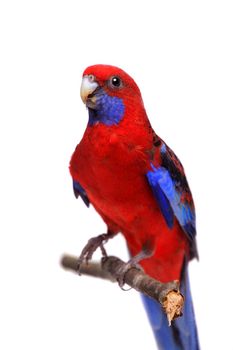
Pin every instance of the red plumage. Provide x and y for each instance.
(111, 163)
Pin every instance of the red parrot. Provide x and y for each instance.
(138, 186)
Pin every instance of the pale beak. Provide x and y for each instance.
(88, 86)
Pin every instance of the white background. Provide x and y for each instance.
(180, 54)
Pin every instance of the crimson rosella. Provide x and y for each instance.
(138, 186)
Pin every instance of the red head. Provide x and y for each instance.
(110, 94)
(104, 75)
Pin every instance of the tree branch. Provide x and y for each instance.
(112, 268)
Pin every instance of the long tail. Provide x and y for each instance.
(182, 335)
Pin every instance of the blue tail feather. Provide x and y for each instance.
(182, 334)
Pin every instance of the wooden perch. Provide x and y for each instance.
(113, 269)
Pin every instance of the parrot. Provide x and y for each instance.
(138, 186)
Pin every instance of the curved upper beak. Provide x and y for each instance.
(88, 87)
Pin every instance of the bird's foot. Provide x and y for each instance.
(133, 263)
(124, 269)
(92, 245)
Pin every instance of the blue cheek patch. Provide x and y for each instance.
(109, 110)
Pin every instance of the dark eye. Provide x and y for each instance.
(115, 82)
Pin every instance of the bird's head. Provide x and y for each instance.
(107, 91)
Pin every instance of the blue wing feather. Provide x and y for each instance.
(154, 178)
(171, 190)
(79, 191)
(163, 186)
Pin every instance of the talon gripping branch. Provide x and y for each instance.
(138, 186)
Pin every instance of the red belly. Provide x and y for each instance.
(113, 177)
